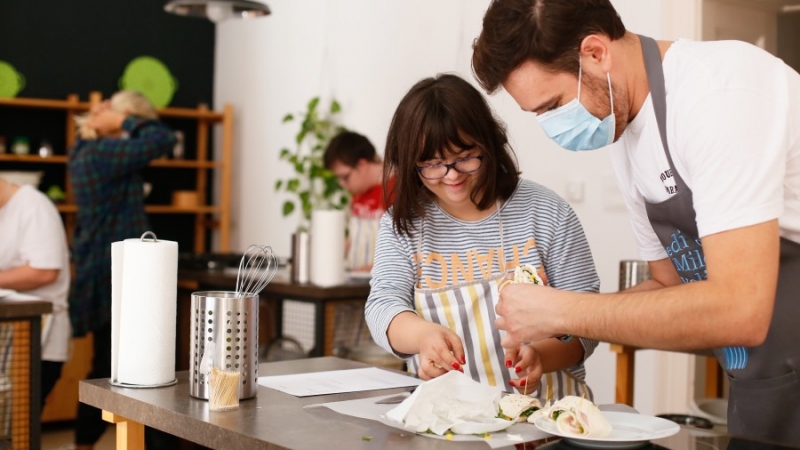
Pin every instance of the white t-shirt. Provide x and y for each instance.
(733, 127)
(31, 232)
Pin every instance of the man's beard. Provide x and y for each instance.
(597, 88)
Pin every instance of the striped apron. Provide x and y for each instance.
(468, 310)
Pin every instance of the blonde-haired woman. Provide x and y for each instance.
(118, 138)
(126, 103)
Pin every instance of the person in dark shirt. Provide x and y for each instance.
(117, 138)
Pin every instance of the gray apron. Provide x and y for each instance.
(765, 389)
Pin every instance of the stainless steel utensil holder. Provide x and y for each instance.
(632, 272)
(231, 323)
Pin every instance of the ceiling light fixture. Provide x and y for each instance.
(217, 10)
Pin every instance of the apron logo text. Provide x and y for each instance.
(467, 267)
(687, 257)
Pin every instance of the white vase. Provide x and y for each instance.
(327, 247)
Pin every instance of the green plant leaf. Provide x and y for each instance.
(288, 118)
(278, 185)
(288, 208)
(312, 105)
(311, 183)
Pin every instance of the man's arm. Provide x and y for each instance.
(26, 278)
(732, 307)
(662, 273)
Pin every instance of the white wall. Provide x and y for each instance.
(367, 54)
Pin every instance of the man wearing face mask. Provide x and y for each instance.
(705, 141)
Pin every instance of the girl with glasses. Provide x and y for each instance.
(461, 219)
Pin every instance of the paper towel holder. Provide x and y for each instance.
(154, 239)
(140, 386)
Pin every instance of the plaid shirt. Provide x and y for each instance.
(107, 186)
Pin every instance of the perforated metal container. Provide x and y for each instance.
(632, 272)
(231, 323)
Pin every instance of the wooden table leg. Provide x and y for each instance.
(714, 381)
(625, 366)
(130, 434)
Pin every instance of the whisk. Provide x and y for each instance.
(256, 269)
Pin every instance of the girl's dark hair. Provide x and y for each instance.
(438, 117)
(549, 32)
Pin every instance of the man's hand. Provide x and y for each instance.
(526, 311)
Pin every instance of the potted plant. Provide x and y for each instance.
(312, 185)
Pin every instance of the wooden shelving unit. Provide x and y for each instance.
(205, 119)
(62, 402)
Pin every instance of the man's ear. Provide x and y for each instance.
(596, 51)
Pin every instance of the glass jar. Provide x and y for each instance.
(21, 146)
(45, 149)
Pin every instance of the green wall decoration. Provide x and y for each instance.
(11, 81)
(152, 78)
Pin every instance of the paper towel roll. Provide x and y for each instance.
(144, 298)
(327, 247)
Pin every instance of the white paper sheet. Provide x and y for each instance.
(337, 381)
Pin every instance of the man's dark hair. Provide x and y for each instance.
(439, 117)
(549, 32)
(348, 148)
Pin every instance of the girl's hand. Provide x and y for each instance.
(525, 362)
(440, 351)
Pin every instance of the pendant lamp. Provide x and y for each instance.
(217, 10)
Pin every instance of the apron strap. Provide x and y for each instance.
(735, 357)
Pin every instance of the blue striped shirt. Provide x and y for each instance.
(538, 228)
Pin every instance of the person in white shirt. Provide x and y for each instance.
(34, 260)
(705, 141)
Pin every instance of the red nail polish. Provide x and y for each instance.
(456, 366)
(508, 363)
(523, 382)
(518, 369)
(463, 360)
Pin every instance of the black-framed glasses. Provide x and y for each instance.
(438, 171)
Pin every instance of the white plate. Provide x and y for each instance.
(629, 430)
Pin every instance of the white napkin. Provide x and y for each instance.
(452, 402)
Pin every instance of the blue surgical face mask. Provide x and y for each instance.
(573, 127)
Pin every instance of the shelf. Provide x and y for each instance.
(61, 159)
(187, 163)
(44, 103)
(189, 113)
(183, 113)
(206, 170)
(56, 159)
(153, 209)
